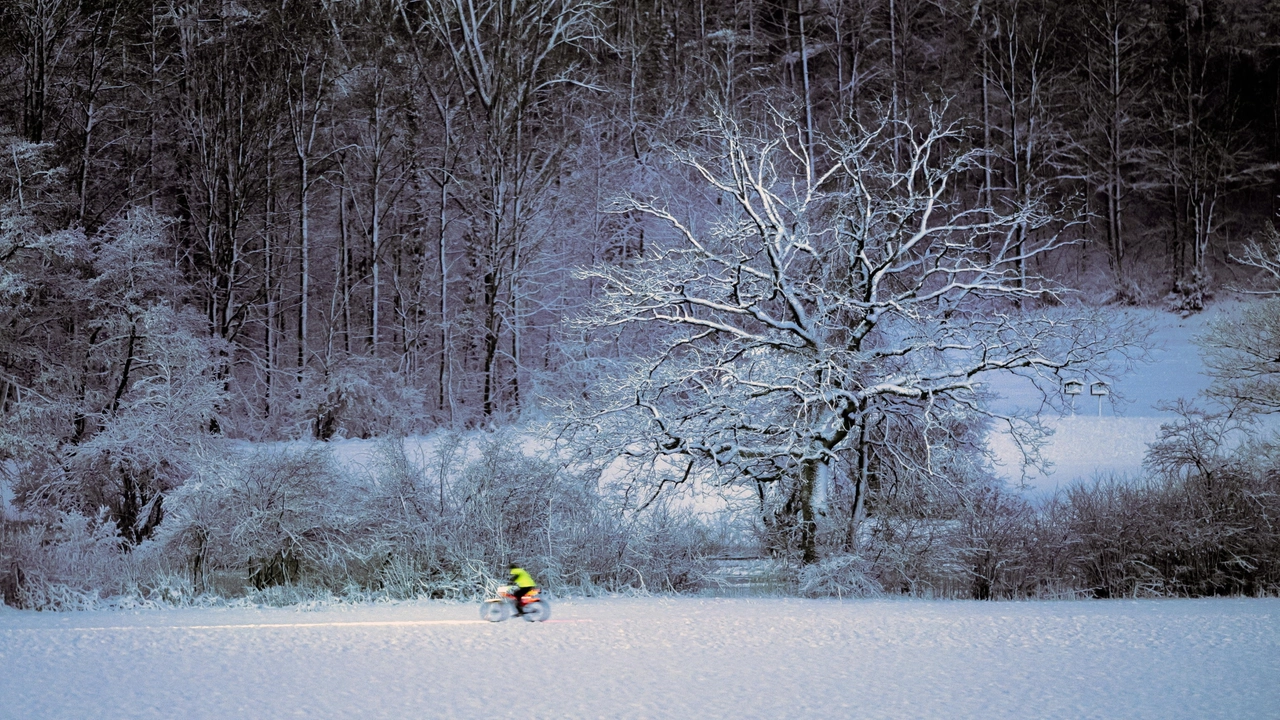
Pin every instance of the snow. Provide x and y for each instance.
(1089, 443)
(7, 510)
(653, 657)
(1082, 448)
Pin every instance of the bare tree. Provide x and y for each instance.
(90, 94)
(1263, 255)
(1031, 142)
(1205, 153)
(832, 292)
(376, 155)
(44, 31)
(309, 81)
(512, 56)
(226, 118)
(1116, 36)
(1242, 350)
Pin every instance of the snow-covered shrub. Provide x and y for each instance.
(918, 556)
(70, 562)
(1109, 524)
(1050, 552)
(409, 525)
(1216, 504)
(840, 576)
(358, 396)
(658, 549)
(986, 544)
(269, 518)
(1201, 523)
(1191, 291)
(995, 537)
(447, 526)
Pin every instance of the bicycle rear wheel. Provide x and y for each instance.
(494, 610)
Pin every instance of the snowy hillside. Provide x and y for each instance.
(653, 658)
(1114, 440)
(1083, 445)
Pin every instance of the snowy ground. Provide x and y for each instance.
(653, 658)
(1092, 443)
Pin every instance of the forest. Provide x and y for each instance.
(605, 250)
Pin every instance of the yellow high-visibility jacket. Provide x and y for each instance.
(522, 578)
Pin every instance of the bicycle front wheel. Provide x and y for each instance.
(538, 611)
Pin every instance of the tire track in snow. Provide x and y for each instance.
(259, 626)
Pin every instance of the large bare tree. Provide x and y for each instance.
(833, 291)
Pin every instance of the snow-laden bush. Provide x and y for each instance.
(445, 527)
(454, 531)
(1012, 550)
(658, 549)
(289, 525)
(1108, 527)
(988, 545)
(1202, 522)
(920, 556)
(358, 397)
(840, 576)
(264, 518)
(70, 562)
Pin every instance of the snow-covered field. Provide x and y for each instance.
(653, 658)
(1092, 443)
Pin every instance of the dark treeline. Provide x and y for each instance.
(359, 218)
(375, 201)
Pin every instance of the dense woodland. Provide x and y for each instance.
(772, 245)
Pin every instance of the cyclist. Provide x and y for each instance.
(524, 584)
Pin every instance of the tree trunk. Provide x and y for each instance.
(41, 30)
(806, 525)
(269, 270)
(1114, 227)
(344, 262)
(857, 508)
(444, 379)
(128, 366)
(492, 327)
(808, 98)
(893, 82)
(375, 249)
(91, 119)
(304, 271)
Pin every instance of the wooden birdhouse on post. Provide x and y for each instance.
(1071, 388)
(1099, 389)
